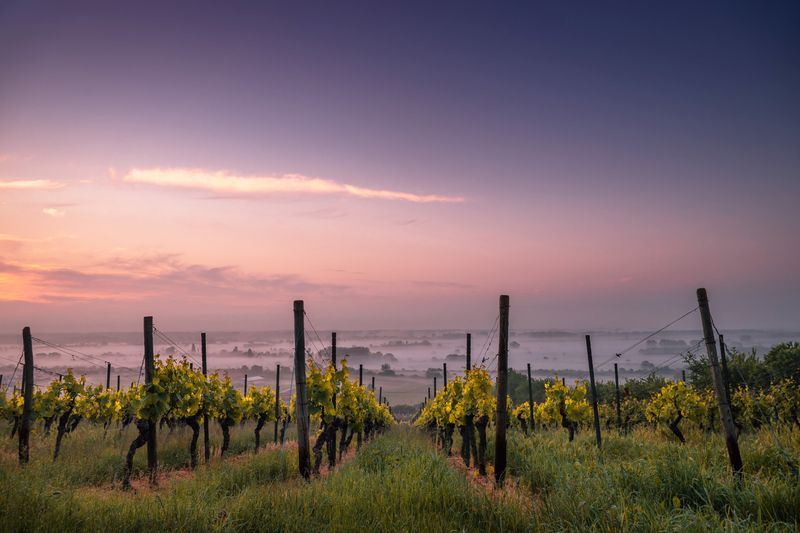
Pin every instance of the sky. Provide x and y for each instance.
(398, 165)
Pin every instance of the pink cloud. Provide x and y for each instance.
(221, 182)
(147, 277)
(30, 184)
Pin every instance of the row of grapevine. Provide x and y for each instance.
(340, 405)
(179, 394)
(568, 407)
(467, 404)
(471, 399)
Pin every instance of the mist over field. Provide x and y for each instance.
(413, 357)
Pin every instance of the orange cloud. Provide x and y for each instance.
(30, 184)
(53, 212)
(224, 182)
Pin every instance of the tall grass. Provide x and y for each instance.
(647, 482)
(400, 482)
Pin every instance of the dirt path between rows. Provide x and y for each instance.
(165, 478)
(510, 492)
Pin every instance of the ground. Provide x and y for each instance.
(401, 482)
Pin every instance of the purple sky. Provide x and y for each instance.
(398, 166)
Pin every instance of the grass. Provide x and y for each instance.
(399, 482)
(646, 482)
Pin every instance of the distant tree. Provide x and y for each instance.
(386, 370)
(431, 372)
(783, 361)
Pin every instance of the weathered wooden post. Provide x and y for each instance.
(719, 387)
(277, 401)
(616, 392)
(502, 393)
(373, 384)
(149, 372)
(333, 361)
(360, 384)
(444, 375)
(530, 397)
(27, 397)
(380, 395)
(300, 382)
(594, 393)
(245, 384)
(118, 382)
(204, 362)
(1, 380)
(683, 375)
(468, 366)
(434, 387)
(335, 424)
(429, 393)
(108, 375)
(726, 377)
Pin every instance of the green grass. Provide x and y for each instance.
(647, 482)
(399, 482)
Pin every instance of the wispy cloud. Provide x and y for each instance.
(30, 184)
(54, 212)
(148, 277)
(443, 284)
(221, 182)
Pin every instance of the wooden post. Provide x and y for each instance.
(1, 380)
(245, 384)
(444, 375)
(380, 395)
(429, 393)
(616, 391)
(108, 375)
(683, 375)
(502, 393)
(564, 381)
(594, 393)
(27, 393)
(277, 401)
(360, 384)
(373, 383)
(333, 362)
(300, 381)
(726, 377)
(204, 362)
(434, 386)
(149, 371)
(333, 349)
(469, 352)
(118, 380)
(530, 395)
(719, 386)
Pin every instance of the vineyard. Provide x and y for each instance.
(480, 454)
(179, 395)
